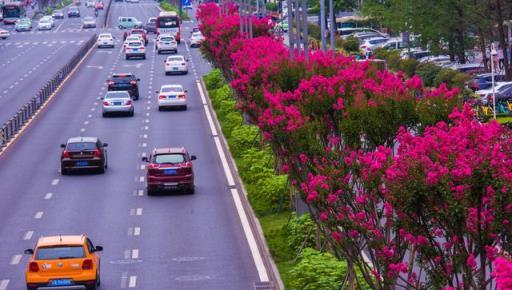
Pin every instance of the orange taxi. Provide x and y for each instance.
(63, 262)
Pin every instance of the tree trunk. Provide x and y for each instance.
(501, 37)
(481, 42)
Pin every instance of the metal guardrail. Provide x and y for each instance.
(9, 129)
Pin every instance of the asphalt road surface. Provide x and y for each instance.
(162, 242)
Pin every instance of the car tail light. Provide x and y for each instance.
(133, 82)
(105, 103)
(182, 96)
(87, 264)
(185, 170)
(97, 153)
(65, 154)
(161, 97)
(129, 102)
(33, 267)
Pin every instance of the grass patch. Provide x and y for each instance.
(169, 7)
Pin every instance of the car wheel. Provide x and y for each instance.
(144, 57)
(184, 108)
(120, 27)
(101, 170)
(179, 41)
(191, 189)
(166, 73)
(159, 52)
(94, 287)
(127, 57)
(63, 170)
(150, 192)
(104, 114)
(31, 288)
(132, 113)
(160, 108)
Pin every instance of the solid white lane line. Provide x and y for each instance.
(132, 282)
(15, 260)
(3, 284)
(48, 195)
(136, 231)
(256, 255)
(38, 215)
(135, 253)
(28, 235)
(225, 165)
(210, 121)
(55, 181)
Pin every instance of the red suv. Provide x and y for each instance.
(141, 32)
(170, 169)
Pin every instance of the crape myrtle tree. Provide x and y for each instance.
(411, 194)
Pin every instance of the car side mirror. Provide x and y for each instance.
(145, 159)
(193, 157)
(28, 252)
(105, 144)
(62, 145)
(98, 249)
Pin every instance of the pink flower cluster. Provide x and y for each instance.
(387, 165)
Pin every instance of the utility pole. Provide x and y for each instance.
(249, 15)
(322, 25)
(297, 24)
(305, 28)
(291, 37)
(333, 29)
(180, 9)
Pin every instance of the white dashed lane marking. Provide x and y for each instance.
(28, 235)
(132, 282)
(15, 260)
(3, 284)
(38, 215)
(55, 182)
(48, 195)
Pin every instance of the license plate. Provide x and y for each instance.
(170, 171)
(117, 103)
(167, 43)
(61, 282)
(171, 97)
(82, 163)
(105, 42)
(135, 49)
(174, 68)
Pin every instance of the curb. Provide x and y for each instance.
(275, 279)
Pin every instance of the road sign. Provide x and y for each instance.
(186, 3)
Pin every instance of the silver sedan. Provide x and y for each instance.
(118, 102)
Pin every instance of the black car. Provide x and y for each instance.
(124, 82)
(151, 25)
(73, 11)
(82, 153)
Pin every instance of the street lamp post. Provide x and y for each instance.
(322, 25)
(493, 54)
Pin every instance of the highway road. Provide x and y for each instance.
(29, 59)
(159, 242)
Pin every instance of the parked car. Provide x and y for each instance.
(80, 153)
(373, 43)
(486, 95)
(134, 49)
(58, 14)
(88, 22)
(196, 39)
(176, 64)
(73, 11)
(172, 96)
(105, 40)
(124, 22)
(117, 102)
(469, 68)
(4, 33)
(23, 24)
(169, 169)
(166, 42)
(63, 262)
(415, 53)
(151, 25)
(124, 82)
(484, 81)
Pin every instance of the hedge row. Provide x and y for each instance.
(169, 7)
(291, 239)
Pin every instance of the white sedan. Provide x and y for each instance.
(196, 38)
(88, 22)
(4, 34)
(105, 40)
(172, 96)
(176, 64)
(45, 24)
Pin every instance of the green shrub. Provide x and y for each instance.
(214, 79)
(451, 77)
(272, 6)
(230, 121)
(317, 271)
(351, 44)
(427, 72)
(314, 31)
(221, 94)
(255, 164)
(408, 66)
(225, 107)
(243, 138)
(300, 231)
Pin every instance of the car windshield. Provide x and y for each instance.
(88, 19)
(81, 146)
(197, 34)
(171, 89)
(117, 95)
(175, 58)
(105, 36)
(122, 78)
(60, 252)
(169, 158)
(136, 44)
(167, 38)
